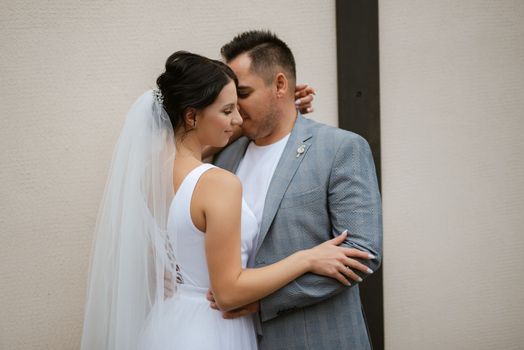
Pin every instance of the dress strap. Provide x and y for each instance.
(186, 188)
(193, 176)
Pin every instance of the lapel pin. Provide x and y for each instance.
(301, 150)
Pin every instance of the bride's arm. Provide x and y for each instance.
(234, 286)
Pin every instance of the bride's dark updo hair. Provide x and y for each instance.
(191, 80)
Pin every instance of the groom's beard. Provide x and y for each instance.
(260, 127)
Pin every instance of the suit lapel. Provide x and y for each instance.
(293, 154)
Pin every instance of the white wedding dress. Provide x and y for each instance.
(187, 320)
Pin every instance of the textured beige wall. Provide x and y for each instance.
(69, 72)
(453, 158)
(452, 87)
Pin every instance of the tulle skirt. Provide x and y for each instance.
(186, 321)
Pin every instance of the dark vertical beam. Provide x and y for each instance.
(359, 111)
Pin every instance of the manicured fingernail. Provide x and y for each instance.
(371, 256)
(348, 284)
(297, 102)
(345, 231)
(309, 110)
(360, 279)
(369, 270)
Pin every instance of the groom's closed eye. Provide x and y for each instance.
(244, 92)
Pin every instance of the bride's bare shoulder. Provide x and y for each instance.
(220, 180)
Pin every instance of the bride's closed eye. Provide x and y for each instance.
(228, 109)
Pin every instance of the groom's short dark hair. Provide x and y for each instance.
(266, 51)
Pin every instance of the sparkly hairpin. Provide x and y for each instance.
(158, 96)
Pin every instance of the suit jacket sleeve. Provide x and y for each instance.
(354, 204)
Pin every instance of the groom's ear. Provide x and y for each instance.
(281, 85)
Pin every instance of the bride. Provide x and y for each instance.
(165, 212)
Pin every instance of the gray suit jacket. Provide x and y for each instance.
(313, 196)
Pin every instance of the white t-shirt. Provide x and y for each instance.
(255, 172)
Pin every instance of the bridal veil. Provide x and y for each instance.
(131, 250)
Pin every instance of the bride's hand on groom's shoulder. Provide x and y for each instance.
(304, 98)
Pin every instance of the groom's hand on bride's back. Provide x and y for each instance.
(242, 311)
(239, 312)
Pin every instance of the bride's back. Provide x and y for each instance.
(187, 239)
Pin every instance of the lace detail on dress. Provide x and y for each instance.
(172, 260)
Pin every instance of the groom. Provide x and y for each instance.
(305, 182)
